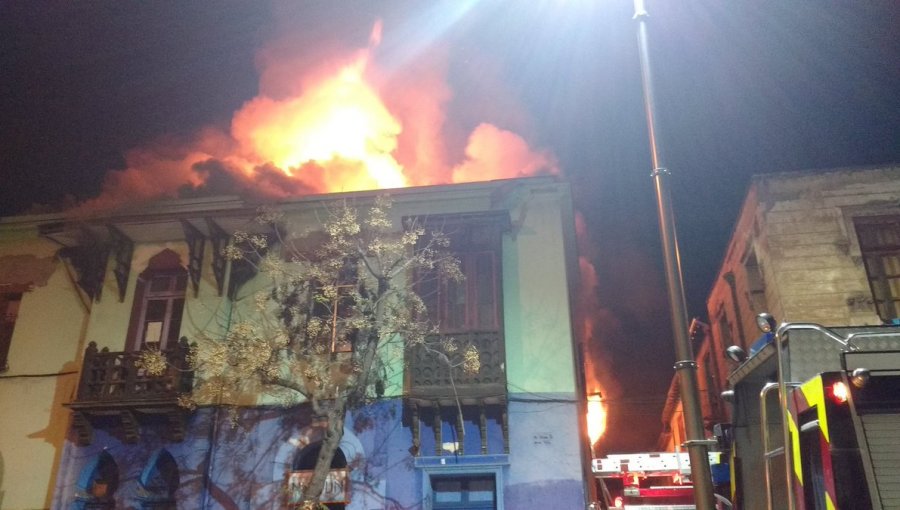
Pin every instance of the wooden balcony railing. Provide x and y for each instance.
(429, 377)
(115, 377)
(115, 384)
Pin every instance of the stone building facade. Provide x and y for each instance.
(816, 246)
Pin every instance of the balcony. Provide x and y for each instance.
(115, 392)
(429, 378)
(435, 401)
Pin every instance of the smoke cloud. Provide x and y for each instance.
(339, 124)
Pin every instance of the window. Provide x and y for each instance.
(335, 494)
(756, 286)
(9, 311)
(158, 303)
(725, 331)
(339, 309)
(335, 312)
(712, 390)
(472, 304)
(879, 242)
(159, 481)
(98, 483)
(469, 492)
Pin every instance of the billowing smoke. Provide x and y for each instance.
(595, 321)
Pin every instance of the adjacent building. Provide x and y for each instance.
(818, 246)
(84, 426)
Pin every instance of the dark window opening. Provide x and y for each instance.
(712, 387)
(98, 483)
(465, 492)
(472, 304)
(879, 242)
(159, 481)
(756, 286)
(725, 332)
(307, 300)
(306, 458)
(9, 312)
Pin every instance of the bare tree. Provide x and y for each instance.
(339, 308)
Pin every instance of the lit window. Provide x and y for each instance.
(879, 242)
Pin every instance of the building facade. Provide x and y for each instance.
(82, 296)
(821, 247)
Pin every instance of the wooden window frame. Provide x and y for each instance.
(461, 229)
(165, 264)
(887, 303)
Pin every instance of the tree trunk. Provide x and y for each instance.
(333, 435)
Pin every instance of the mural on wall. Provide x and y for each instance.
(249, 465)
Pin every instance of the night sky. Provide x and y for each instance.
(743, 87)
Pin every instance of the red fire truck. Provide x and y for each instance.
(832, 396)
(646, 481)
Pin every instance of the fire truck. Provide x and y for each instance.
(646, 481)
(816, 418)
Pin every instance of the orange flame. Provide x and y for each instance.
(590, 315)
(596, 417)
(341, 118)
(326, 131)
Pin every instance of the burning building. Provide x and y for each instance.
(82, 295)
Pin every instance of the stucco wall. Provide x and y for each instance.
(538, 328)
(800, 228)
(252, 455)
(42, 374)
(817, 272)
(54, 327)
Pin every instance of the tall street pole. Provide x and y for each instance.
(685, 367)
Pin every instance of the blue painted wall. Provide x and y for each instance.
(254, 449)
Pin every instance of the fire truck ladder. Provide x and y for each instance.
(770, 454)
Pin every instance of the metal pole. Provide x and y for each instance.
(685, 367)
(785, 416)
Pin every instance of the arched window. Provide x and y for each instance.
(336, 484)
(98, 483)
(159, 480)
(306, 458)
(158, 303)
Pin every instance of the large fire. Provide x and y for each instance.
(333, 129)
(339, 120)
(328, 129)
(589, 312)
(596, 417)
